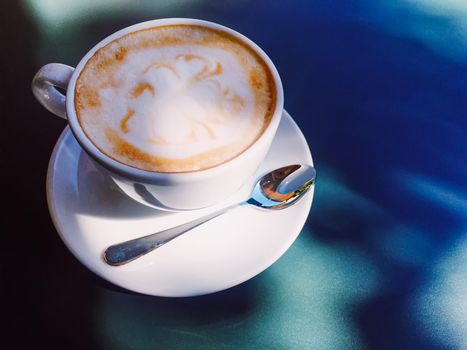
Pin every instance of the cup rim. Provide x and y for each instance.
(147, 175)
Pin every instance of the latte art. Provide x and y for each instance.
(174, 98)
(195, 103)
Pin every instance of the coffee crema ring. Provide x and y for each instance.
(175, 98)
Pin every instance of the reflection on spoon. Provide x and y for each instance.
(277, 189)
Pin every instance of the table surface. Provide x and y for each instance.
(379, 88)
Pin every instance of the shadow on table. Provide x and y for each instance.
(123, 319)
(388, 135)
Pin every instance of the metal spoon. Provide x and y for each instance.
(277, 189)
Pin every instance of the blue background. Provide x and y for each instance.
(379, 88)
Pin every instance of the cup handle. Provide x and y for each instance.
(45, 83)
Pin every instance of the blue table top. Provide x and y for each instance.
(379, 89)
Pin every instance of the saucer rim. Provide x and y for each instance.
(241, 278)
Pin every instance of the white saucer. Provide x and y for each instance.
(90, 214)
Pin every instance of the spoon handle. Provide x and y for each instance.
(122, 253)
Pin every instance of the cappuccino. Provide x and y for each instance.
(175, 98)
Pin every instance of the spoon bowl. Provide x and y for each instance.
(282, 187)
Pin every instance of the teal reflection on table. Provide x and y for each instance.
(379, 90)
(304, 301)
(68, 29)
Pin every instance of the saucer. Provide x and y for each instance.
(90, 214)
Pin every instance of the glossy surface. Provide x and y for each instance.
(44, 85)
(90, 214)
(294, 180)
(282, 187)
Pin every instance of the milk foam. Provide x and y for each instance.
(183, 106)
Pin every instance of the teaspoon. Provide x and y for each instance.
(277, 189)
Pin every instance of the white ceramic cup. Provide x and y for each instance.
(166, 191)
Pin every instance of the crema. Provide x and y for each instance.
(175, 98)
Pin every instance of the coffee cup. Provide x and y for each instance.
(179, 113)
